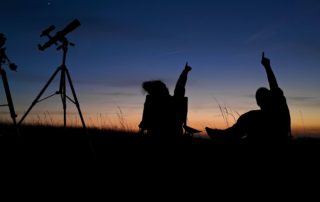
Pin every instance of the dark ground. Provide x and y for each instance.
(49, 158)
(44, 143)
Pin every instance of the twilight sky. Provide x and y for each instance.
(122, 43)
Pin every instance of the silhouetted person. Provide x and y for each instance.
(163, 114)
(269, 124)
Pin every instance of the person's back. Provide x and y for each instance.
(158, 116)
(278, 116)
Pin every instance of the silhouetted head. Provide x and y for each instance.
(263, 97)
(157, 88)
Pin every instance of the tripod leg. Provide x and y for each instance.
(9, 99)
(75, 99)
(63, 95)
(39, 95)
(80, 114)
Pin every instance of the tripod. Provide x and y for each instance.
(8, 95)
(64, 76)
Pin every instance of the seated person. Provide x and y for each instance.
(269, 124)
(162, 116)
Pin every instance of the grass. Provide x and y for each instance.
(44, 140)
(56, 142)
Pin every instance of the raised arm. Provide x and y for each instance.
(271, 77)
(179, 90)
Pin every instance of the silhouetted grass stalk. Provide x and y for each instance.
(226, 112)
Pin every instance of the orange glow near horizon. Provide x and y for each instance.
(126, 114)
(130, 119)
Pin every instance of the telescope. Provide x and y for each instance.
(59, 36)
(65, 78)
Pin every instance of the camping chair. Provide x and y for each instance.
(174, 109)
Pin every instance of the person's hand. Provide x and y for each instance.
(187, 67)
(265, 61)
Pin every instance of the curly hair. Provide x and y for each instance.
(156, 87)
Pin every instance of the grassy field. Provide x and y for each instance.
(58, 143)
(49, 142)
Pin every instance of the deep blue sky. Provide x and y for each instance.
(122, 43)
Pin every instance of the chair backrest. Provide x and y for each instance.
(173, 106)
